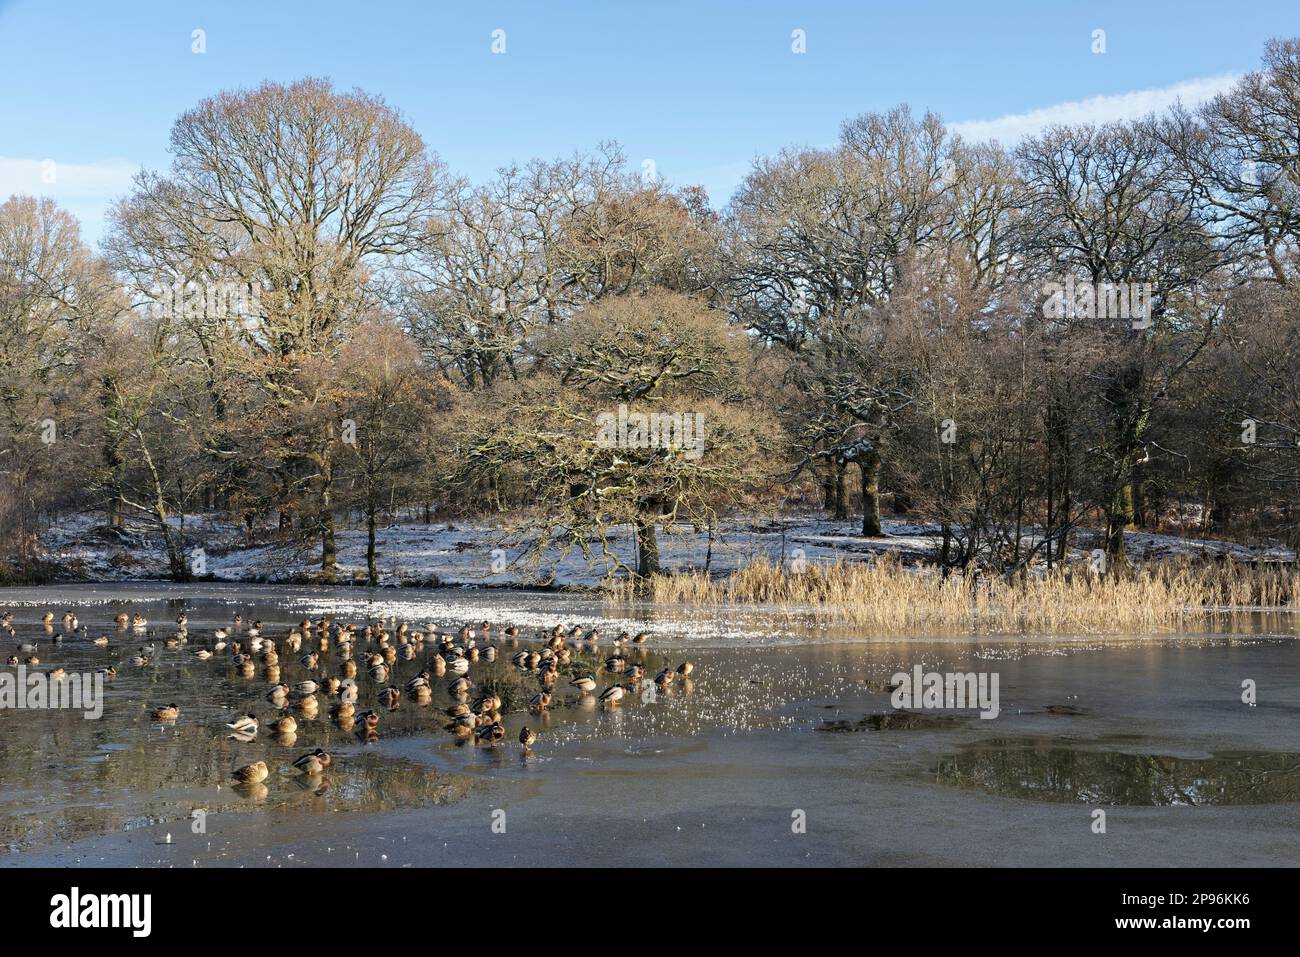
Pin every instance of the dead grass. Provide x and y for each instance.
(888, 598)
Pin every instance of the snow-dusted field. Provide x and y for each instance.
(470, 554)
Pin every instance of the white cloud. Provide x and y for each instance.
(65, 182)
(1095, 109)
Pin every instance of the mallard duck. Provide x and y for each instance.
(278, 695)
(310, 661)
(640, 638)
(57, 674)
(244, 724)
(379, 673)
(527, 737)
(665, 676)
(390, 696)
(685, 668)
(285, 725)
(47, 618)
(419, 681)
(166, 713)
(101, 641)
(32, 661)
(370, 719)
(308, 705)
(540, 702)
(254, 773)
(122, 620)
(314, 763)
(306, 687)
(11, 661)
(615, 664)
(202, 654)
(331, 685)
(221, 634)
(139, 622)
(586, 684)
(491, 733)
(182, 620)
(459, 686)
(109, 672)
(344, 709)
(612, 695)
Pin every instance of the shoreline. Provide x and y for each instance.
(716, 626)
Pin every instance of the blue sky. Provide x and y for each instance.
(699, 87)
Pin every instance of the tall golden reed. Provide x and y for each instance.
(886, 597)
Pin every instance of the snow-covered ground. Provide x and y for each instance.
(470, 553)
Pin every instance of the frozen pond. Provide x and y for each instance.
(783, 748)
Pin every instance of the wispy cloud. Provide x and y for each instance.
(1095, 109)
(65, 182)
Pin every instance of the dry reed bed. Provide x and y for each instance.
(887, 597)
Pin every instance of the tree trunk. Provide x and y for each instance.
(839, 501)
(372, 573)
(1119, 516)
(175, 557)
(870, 467)
(328, 548)
(647, 548)
(112, 455)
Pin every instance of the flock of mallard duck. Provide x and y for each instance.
(333, 654)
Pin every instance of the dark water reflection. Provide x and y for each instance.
(1049, 769)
